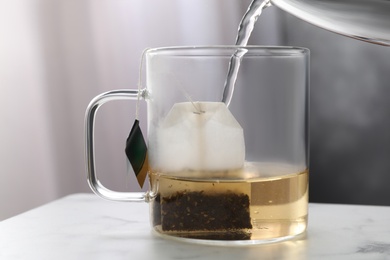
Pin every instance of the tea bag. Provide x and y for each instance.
(199, 136)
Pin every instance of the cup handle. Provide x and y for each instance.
(93, 181)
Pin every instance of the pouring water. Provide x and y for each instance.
(366, 20)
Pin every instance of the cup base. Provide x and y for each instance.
(233, 242)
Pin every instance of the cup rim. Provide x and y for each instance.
(222, 50)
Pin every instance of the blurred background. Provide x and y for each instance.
(56, 55)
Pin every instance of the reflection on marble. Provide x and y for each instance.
(83, 226)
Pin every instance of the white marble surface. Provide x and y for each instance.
(83, 226)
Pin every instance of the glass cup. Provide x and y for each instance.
(232, 172)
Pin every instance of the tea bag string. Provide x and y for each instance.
(136, 149)
(188, 97)
(180, 86)
(139, 84)
(198, 110)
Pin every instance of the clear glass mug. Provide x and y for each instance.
(219, 173)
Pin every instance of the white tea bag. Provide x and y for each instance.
(199, 136)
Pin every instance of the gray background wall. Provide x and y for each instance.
(350, 116)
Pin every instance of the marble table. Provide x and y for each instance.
(83, 226)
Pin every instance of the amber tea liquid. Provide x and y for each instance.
(259, 202)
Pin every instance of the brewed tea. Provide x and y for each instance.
(260, 201)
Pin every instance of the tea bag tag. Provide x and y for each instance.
(136, 149)
(136, 152)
